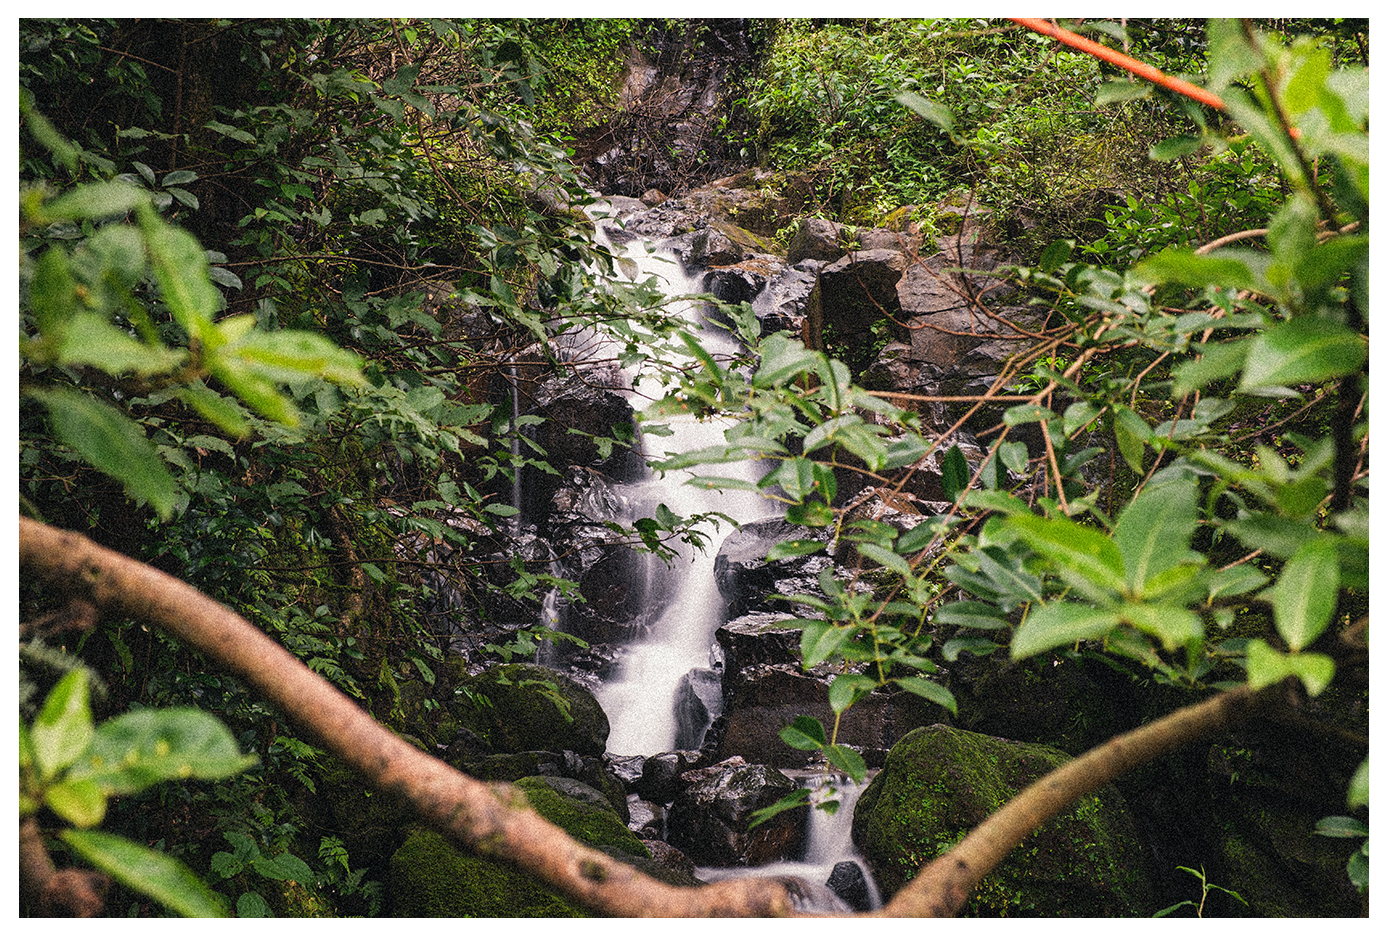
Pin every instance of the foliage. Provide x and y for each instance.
(72, 767)
(1205, 888)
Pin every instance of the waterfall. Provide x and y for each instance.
(640, 697)
(828, 840)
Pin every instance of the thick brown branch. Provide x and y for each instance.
(943, 886)
(489, 819)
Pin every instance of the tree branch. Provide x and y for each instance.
(489, 819)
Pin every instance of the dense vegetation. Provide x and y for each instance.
(277, 277)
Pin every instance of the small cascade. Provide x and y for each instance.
(828, 847)
(640, 698)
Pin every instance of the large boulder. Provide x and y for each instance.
(747, 581)
(431, 878)
(939, 783)
(711, 819)
(521, 707)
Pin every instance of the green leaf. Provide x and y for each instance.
(292, 357)
(1082, 556)
(1230, 269)
(1267, 666)
(1116, 92)
(954, 473)
(848, 688)
(1309, 349)
(791, 800)
(1132, 433)
(819, 640)
(1173, 625)
(847, 760)
(790, 548)
(222, 411)
(976, 614)
(933, 111)
(1153, 533)
(1174, 147)
(1026, 413)
(805, 733)
(53, 291)
(283, 867)
(111, 442)
(147, 746)
(810, 514)
(1059, 625)
(152, 873)
(1305, 594)
(1358, 793)
(886, 558)
(96, 201)
(80, 802)
(978, 646)
(783, 358)
(252, 906)
(931, 692)
(180, 269)
(1341, 827)
(1054, 255)
(63, 729)
(91, 340)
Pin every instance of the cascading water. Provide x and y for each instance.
(640, 699)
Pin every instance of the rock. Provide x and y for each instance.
(746, 580)
(431, 878)
(698, 701)
(653, 197)
(848, 882)
(789, 300)
(675, 861)
(758, 638)
(710, 820)
(529, 707)
(581, 811)
(939, 783)
(816, 239)
(660, 775)
(859, 290)
(647, 819)
(762, 699)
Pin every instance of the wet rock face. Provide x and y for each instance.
(747, 581)
(710, 819)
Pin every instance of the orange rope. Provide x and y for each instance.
(1127, 63)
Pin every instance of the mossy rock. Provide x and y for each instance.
(938, 783)
(534, 708)
(581, 811)
(369, 821)
(431, 878)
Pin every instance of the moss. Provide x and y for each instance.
(588, 822)
(431, 878)
(524, 707)
(939, 783)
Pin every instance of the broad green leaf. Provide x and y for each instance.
(1305, 594)
(152, 873)
(789, 548)
(1277, 536)
(783, 358)
(931, 692)
(1059, 625)
(283, 867)
(933, 111)
(805, 733)
(886, 558)
(252, 906)
(1358, 794)
(1231, 269)
(1026, 413)
(978, 646)
(80, 802)
(1000, 501)
(1013, 456)
(147, 746)
(223, 412)
(954, 473)
(821, 641)
(63, 728)
(976, 614)
(847, 760)
(296, 356)
(1341, 827)
(1235, 580)
(1173, 625)
(1114, 92)
(1153, 533)
(1132, 433)
(1014, 584)
(849, 688)
(811, 514)
(91, 340)
(1084, 557)
(113, 443)
(53, 291)
(1218, 360)
(1309, 349)
(1174, 147)
(1054, 255)
(1267, 666)
(180, 269)
(96, 201)
(254, 389)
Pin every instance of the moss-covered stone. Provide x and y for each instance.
(939, 783)
(533, 708)
(431, 878)
(590, 820)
